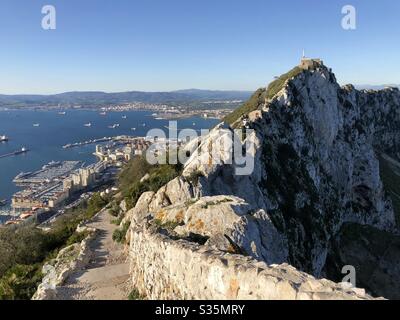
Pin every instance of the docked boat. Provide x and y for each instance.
(62, 113)
(103, 113)
(133, 129)
(3, 203)
(21, 176)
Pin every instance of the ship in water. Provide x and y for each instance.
(23, 150)
(3, 138)
(3, 203)
(103, 113)
(114, 126)
(88, 125)
(62, 113)
(124, 117)
(36, 125)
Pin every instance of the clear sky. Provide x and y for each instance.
(161, 45)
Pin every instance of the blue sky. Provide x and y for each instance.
(161, 45)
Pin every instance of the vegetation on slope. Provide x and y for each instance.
(251, 105)
(258, 98)
(132, 184)
(24, 250)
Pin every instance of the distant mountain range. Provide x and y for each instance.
(375, 87)
(97, 98)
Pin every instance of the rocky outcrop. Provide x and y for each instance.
(315, 147)
(69, 260)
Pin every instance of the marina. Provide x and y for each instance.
(49, 172)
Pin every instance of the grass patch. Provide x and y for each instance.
(251, 105)
(169, 225)
(119, 235)
(118, 220)
(135, 295)
(159, 175)
(258, 98)
(215, 203)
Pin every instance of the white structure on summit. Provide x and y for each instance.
(310, 64)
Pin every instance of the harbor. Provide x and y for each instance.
(87, 142)
(45, 143)
(59, 184)
(51, 171)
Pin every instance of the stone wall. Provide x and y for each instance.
(69, 260)
(162, 268)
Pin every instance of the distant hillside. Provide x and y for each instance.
(375, 87)
(97, 98)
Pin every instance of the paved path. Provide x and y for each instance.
(106, 277)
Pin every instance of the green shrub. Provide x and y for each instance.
(194, 177)
(159, 175)
(20, 282)
(133, 172)
(77, 237)
(135, 295)
(118, 220)
(24, 250)
(114, 209)
(119, 234)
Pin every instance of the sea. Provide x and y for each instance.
(55, 130)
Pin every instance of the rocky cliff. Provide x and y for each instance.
(322, 193)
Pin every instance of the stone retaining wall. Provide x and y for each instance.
(162, 268)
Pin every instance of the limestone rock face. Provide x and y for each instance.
(229, 224)
(316, 164)
(315, 150)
